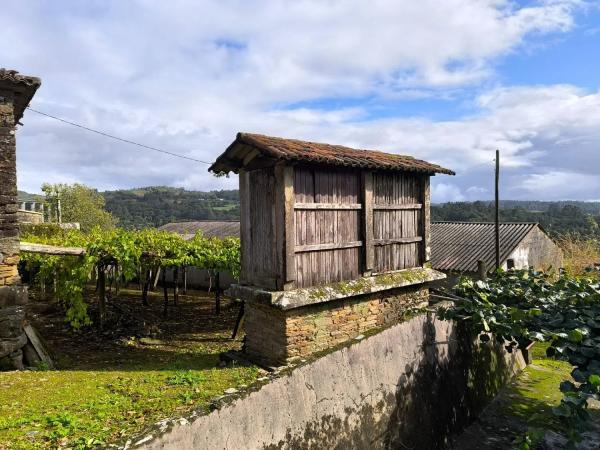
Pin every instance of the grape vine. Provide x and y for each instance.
(130, 254)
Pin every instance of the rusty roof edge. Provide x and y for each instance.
(250, 139)
(224, 164)
(224, 156)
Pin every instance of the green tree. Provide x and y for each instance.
(78, 203)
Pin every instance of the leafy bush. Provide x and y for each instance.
(523, 306)
(580, 254)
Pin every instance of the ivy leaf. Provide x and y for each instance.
(594, 380)
(563, 410)
(575, 335)
(567, 386)
(536, 336)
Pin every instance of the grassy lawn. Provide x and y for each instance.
(112, 386)
(524, 406)
(536, 390)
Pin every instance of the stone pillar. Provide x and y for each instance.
(15, 93)
(9, 228)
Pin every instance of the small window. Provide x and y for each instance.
(510, 264)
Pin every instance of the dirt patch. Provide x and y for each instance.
(135, 333)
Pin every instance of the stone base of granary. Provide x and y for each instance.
(12, 335)
(275, 336)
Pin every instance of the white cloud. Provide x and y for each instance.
(571, 185)
(185, 76)
(443, 192)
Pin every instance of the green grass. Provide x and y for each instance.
(111, 389)
(536, 391)
(81, 408)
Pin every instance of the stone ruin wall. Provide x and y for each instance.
(9, 229)
(13, 296)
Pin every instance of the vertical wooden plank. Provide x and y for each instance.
(426, 221)
(284, 226)
(244, 226)
(290, 256)
(367, 184)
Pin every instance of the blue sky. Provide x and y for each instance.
(444, 81)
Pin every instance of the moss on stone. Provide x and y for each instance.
(364, 285)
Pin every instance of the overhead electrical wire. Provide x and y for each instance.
(117, 138)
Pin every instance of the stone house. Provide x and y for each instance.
(456, 248)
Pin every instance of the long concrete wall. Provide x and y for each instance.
(413, 385)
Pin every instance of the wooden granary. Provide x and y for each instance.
(324, 222)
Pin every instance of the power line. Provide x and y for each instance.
(102, 133)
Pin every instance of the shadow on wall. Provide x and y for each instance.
(439, 397)
(436, 398)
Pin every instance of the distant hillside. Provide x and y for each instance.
(27, 197)
(156, 206)
(555, 217)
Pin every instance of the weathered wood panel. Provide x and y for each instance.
(426, 221)
(245, 236)
(367, 222)
(260, 251)
(284, 226)
(397, 221)
(327, 223)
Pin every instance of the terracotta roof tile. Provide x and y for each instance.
(314, 152)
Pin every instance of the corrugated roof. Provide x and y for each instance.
(239, 153)
(209, 228)
(458, 246)
(25, 86)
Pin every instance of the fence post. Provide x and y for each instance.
(101, 296)
(217, 293)
(481, 270)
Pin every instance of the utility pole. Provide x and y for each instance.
(58, 210)
(497, 207)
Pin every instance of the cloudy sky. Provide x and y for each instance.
(447, 81)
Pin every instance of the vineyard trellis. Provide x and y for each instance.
(115, 256)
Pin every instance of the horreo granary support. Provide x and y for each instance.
(16, 91)
(335, 241)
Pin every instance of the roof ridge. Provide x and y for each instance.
(311, 152)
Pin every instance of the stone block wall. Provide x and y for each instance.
(32, 217)
(9, 229)
(299, 332)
